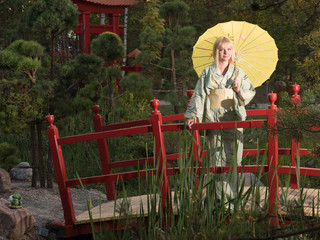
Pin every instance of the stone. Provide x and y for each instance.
(5, 181)
(22, 171)
(14, 223)
(250, 179)
(23, 165)
(280, 86)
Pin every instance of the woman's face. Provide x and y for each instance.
(225, 52)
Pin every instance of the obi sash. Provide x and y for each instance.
(221, 98)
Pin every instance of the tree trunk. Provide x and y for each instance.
(33, 155)
(40, 157)
(49, 169)
(111, 96)
(173, 71)
(52, 58)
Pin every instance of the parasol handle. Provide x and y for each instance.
(235, 73)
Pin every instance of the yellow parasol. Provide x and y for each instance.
(256, 51)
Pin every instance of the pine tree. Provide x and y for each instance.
(52, 18)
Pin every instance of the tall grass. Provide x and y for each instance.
(196, 212)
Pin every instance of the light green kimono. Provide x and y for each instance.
(221, 146)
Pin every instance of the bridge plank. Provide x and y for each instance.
(109, 211)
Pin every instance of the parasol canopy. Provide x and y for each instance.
(256, 51)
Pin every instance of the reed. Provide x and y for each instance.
(197, 213)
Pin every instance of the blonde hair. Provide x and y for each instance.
(217, 44)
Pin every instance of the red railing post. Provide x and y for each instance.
(196, 145)
(61, 175)
(104, 153)
(273, 161)
(160, 156)
(295, 98)
(189, 94)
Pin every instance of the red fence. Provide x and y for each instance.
(156, 124)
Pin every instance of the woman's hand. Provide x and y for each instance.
(190, 123)
(236, 85)
(236, 88)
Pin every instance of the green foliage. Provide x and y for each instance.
(174, 12)
(173, 63)
(52, 17)
(29, 49)
(109, 46)
(151, 18)
(136, 82)
(8, 60)
(150, 44)
(8, 155)
(131, 106)
(179, 102)
(22, 57)
(80, 86)
(296, 119)
(13, 21)
(19, 105)
(77, 100)
(150, 36)
(114, 71)
(20, 102)
(83, 69)
(309, 67)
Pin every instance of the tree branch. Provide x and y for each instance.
(71, 86)
(256, 6)
(32, 78)
(164, 68)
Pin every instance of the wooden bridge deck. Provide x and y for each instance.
(108, 211)
(139, 204)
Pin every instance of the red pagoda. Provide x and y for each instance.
(113, 9)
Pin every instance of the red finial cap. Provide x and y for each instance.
(50, 119)
(190, 93)
(272, 98)
(96, 109)
(296, 89)
(295, 97)
(155, 104)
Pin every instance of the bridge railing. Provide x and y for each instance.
(157, 125)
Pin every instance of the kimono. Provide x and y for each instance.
(203, 106)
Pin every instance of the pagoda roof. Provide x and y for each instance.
(134, 53)
(112, 2)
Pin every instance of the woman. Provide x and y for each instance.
(221, 94)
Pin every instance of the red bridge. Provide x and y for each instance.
(103, 216)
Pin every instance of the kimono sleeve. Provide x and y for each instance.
(246, 89)
(197, 102)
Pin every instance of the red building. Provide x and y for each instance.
(111, 8)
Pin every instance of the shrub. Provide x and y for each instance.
(8, 155)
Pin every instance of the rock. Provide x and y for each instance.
(23, 165)
(250, 179)
(14, 223)
(280, 86)
(5, 181)
(22, 171)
